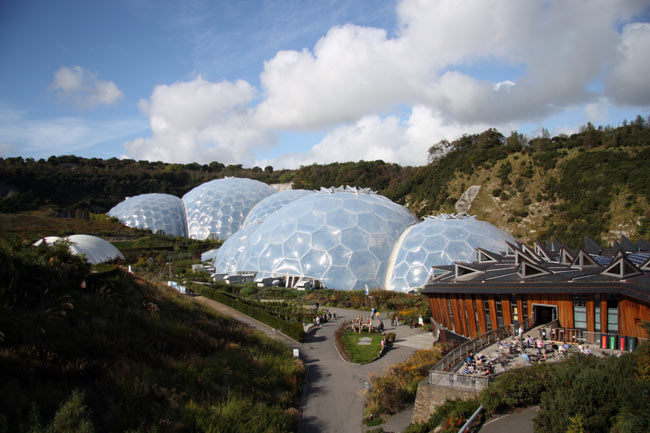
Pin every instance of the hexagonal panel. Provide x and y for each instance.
(221, 205)
(441, 241)
(350, 246)
(155, 212)
(271, 204)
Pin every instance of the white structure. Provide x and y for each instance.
(340, 237)
(95, 250)
(155, 212)
(272, 203)
(217, 209)
(440, 240)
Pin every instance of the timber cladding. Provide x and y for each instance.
(468, 309)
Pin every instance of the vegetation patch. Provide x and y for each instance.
(362, 353)
(584, 393)
(448, 418)
(392, 392)
(292, 328)
(116, 354)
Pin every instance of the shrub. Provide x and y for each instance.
(292, 329)
(392, 392)
(496, 192)
(451, 416)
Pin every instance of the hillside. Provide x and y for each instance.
(101, 351)
(594, 183)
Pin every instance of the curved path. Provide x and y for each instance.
(334, 388)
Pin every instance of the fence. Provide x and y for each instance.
(460, 352)
(462, 381)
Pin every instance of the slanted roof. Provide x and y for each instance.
(584, 273)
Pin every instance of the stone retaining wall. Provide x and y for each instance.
(429, 397)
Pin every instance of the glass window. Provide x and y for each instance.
(478, 328)
(612, 314)
(597, 312)
(514, 311)
(499, 313)
(525, 308)
(580, 311)
(451, 314)
(486, 309)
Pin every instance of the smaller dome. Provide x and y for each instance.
(440, 240)
(155, 212)
(95, 250)
(218, 208)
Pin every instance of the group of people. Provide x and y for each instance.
(324, 317)
(477, 365)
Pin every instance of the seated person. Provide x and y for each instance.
(470, 359)
(525, 357)
(529, 342)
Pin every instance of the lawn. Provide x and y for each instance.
(362, 354)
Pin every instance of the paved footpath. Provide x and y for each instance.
(334, 388)
(520, 422)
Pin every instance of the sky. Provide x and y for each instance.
(294, 82)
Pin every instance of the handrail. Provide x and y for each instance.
(471, 419)
(483, 340)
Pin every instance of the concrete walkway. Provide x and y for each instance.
(334, 390)
(519, 421)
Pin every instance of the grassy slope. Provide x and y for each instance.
(145, 359)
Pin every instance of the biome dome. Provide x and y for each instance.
(272, 203)
(95, 250)
(155, 212)
(217, 208)
(342, 238)
(440, 240)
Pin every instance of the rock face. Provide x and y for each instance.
(465, 202)
(279, 187)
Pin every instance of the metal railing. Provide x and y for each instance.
(459, 353)
(462, 381)
(471, 419)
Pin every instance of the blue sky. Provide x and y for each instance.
(294, 82)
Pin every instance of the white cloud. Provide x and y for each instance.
(200, 121)
(597, 111)
(61, 135)
(539, 58)
(355, 71)
(628, 83)
(389, 139)
(82, 87)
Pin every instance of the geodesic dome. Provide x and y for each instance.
(228, 257)
(155, 212)
(95, 250)
(343, 238)
(440, 240)
(271, 204)
(218, 208)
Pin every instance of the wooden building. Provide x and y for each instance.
(588, 291)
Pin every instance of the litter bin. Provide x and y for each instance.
(622, 342)
(631, 343)
(603, 341)
(613, 342)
